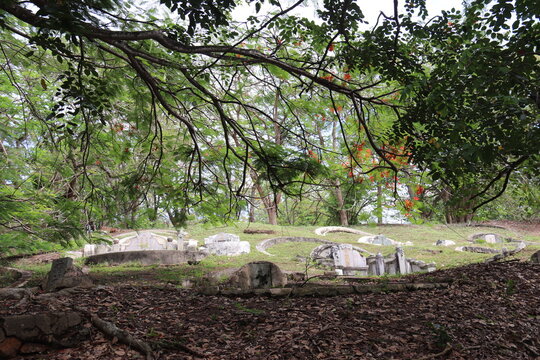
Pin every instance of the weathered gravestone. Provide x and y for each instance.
(64, 274)
(445, 243)
(489, 238)
(226, 244)
(377, 240)
(348, 261)
(146, 241)
(259, 275)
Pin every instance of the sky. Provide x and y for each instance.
(370, 8)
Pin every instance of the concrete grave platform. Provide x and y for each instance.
(147, 257)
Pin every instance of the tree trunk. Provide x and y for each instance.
(379, 205)
(343, 218)
(252, 205)
(456, 212)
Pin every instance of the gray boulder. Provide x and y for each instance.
(63, 275)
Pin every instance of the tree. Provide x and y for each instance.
(184, 69)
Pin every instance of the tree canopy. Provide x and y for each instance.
(176, 104)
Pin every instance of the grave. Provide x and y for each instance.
(489, 238)
(380, 240)
(226, 244)
(64, 274)
(258, 275)
(147, 248)
(445, 243)
(348, 261)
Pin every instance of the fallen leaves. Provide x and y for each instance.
(475, 317)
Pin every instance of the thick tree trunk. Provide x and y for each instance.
(456, 212)
(343, 218)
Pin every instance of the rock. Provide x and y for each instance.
(535, 258)
(258, 275)
(9, 347)
(14, 293)
(445, 243)
(64, 274)
(60, 328)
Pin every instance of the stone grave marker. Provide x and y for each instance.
(64, 274)
(146, 241)
(445, 243)
(348, 260)
(259, 275)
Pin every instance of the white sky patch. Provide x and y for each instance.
(371, 9)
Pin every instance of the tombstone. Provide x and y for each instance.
(181, 235)
(259, 275)
(490, 238)
(377, 240)
(192, 245)
(226, 244)
(89, 249)
(402, 265)
(221, 237)
(145, 241)
(445, 243)
(64, 274)
(348, 259)
(379, 264)
(535, 258)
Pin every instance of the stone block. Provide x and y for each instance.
(221, 237)
(64, 274)
(258, 275)
(228, 248)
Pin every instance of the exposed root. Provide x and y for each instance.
(446, 350)
(110, 330)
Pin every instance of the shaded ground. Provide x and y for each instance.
(488, 312)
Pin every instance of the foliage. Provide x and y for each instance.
(180, 113)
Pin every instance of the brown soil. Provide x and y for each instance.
(488, 312)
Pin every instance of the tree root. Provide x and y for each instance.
(110, 330)
(446, 350)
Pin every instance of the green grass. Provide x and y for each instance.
(286, 255)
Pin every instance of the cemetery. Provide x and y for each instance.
(252, 179)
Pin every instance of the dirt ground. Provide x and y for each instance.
(489, 311)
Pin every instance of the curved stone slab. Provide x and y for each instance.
(147, 257)
(330, 229)
(265, 244)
